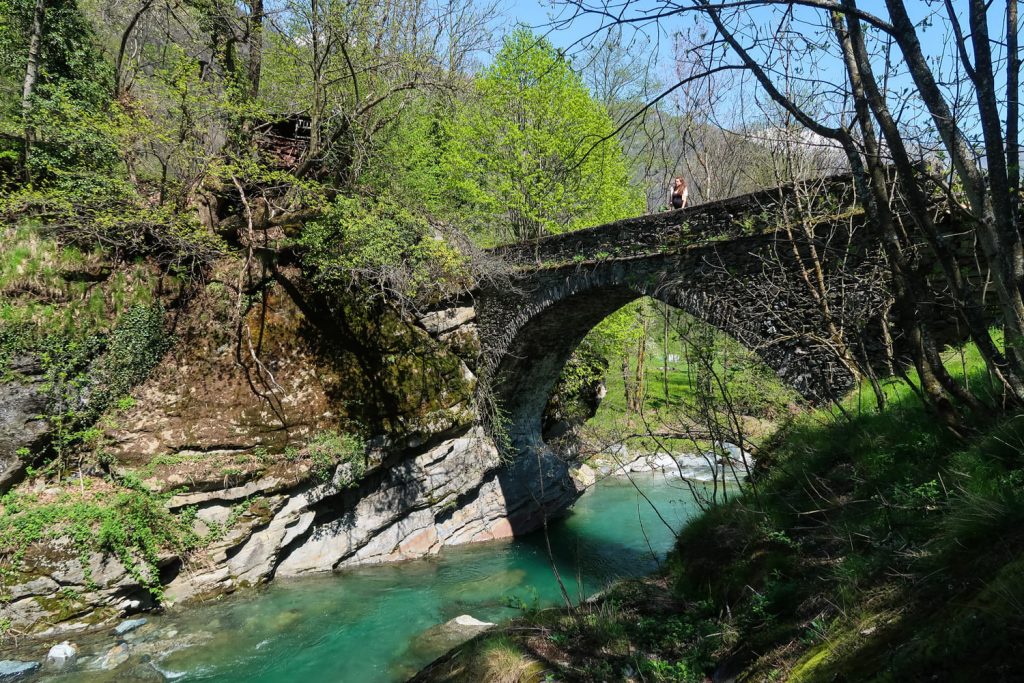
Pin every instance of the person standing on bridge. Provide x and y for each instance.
(678, 193)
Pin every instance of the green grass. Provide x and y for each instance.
(613, 418)
(42, 294)
(885, 524)
(753, 387)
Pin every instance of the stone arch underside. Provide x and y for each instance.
(529, 331)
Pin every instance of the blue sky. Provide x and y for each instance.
(935, 37)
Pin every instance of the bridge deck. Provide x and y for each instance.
(750, 214)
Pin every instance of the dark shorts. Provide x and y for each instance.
(677, 201)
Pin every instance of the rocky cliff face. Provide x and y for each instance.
(22, 402)
(222, 423)
(446, 495)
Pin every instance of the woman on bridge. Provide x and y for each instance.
(678, 193)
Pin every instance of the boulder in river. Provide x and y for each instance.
(585, 476)
(62, 655)
(12, 670)
(443, 637)
(466, 621)
(128, 625)
(113, 658)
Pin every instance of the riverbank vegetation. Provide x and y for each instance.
(871, 545)
(672, 384)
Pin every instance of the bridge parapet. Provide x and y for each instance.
(751, 214)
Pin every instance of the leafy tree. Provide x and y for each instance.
(533, 152)
(66, 72)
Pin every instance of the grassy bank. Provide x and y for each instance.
(684, 364)
(876, 546)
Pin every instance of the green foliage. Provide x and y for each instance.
(525, 157)
(81, 144)
(85, 377)
(380, 249)
(329, 449)
(52, 292)
(98, 213)
(132, 524)
(695, 362)
(67, 108)
(68, 54)
(674, 672)
(411, 164)
(574, 394)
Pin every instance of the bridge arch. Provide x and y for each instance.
(728, 264)
(531, 334)
(529, 330)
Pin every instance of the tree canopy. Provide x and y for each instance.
(532, 152)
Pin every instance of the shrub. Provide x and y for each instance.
(381, 250)
(130, 523)
(331, 448)
(85, 377)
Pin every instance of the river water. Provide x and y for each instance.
(374, 623)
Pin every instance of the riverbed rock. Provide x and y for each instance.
(12, 670)
(470, 622)
(585, 476)
(128, 625)
(451, 634)
(112, 658)
(62, 655)
(642, 464)
(739, 456)
(662, 461)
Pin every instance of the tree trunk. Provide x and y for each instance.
(35, 39)
(664, 351)
(965, 298)
(639, 375)
(1000, 241)
(125, 37)
(906, 281)
(1012, 109)
(256, 15)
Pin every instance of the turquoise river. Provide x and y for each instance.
(374, 623)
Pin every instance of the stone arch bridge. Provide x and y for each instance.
(744, 265)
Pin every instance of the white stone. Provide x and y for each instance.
(662, 461)
(62, 654)
(448, 319)
(467, 620)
